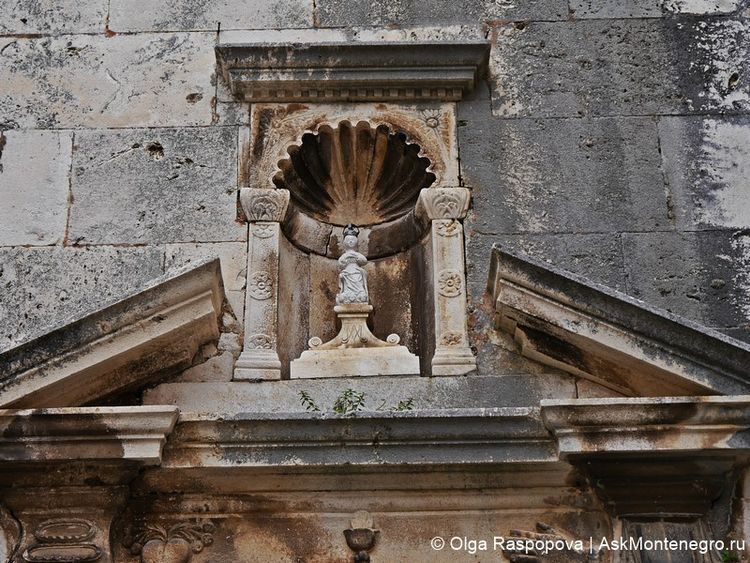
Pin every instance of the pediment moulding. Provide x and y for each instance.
(154, 332)
(352, 71)
(593, 332)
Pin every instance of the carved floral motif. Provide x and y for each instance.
(264, 204)
(260, 285)
(447, 227)
(451, 339)
(176, 543)
(443, 203)
(431, 118)
(263, 230)
(449, 283)
(260, 342)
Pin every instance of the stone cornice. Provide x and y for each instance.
(355, 71)
(593, 332)
(98, 434)
(150, 334)
(643, 425)
(425, 437)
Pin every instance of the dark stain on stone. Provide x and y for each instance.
(194, 98)
(155, 150)
(3, 142)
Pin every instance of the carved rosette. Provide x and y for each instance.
(260, 285)
(443, 203)
(170, 543)
(451, 339)
(450, 283)
(260, 204)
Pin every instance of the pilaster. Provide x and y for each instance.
(444, 208)
(264, 209)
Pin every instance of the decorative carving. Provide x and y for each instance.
(260, 285)
(353, 277)
(361, 536)
(260, 342)
(566, 549)
(159, 543)
(63, 540)
(451, 339)
(449, 283)
(264, 204)
(443, 203)
(447, 227)
(375, 164)
(263, 230)
(431, 118)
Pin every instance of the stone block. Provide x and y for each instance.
(233, 257)
(52, 16)
(155, 186)
(574, 176)
(704, 276)
(42, 287)
(707, 165)
(583, 9)
(34, 185)
(346, 13)
(158, 79)
(620, 67)
(142, 15)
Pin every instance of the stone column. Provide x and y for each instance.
(444, 208)
(264, 209)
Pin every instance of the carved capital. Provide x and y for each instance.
(443, 203)
(169, 542)
(264, 204)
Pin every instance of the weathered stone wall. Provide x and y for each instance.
(612, 139)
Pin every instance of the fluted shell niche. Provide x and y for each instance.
(354, 174)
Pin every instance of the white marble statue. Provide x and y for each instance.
(353, 278)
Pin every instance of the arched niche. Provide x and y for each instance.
(386, 177)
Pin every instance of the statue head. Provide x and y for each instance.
(350, 237)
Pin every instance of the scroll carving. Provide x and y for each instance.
(264, 204)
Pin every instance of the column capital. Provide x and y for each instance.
(262, 204)
(443, 203)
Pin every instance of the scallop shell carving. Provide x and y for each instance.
(354, 174)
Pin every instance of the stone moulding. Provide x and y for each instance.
(86, 433)
(570, 323)
(426, 437)
(358, 71)
(152, 333)
(654, 457)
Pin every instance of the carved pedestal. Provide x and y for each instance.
(444, 208)
(264, 210)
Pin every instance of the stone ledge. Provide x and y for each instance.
(568, 322)
(362, 71)
(149, 334)
(85, 434)
(428, 437)
(670, 424)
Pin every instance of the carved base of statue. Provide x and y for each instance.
(355, 350)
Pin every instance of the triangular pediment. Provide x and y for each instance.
(150, 334)
(599, 334)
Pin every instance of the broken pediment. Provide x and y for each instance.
(567, 322)
(152, 333)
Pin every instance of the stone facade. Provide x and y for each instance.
(524, 152)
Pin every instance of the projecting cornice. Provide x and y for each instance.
(593, 332)
(150, 334)
(355, 71)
